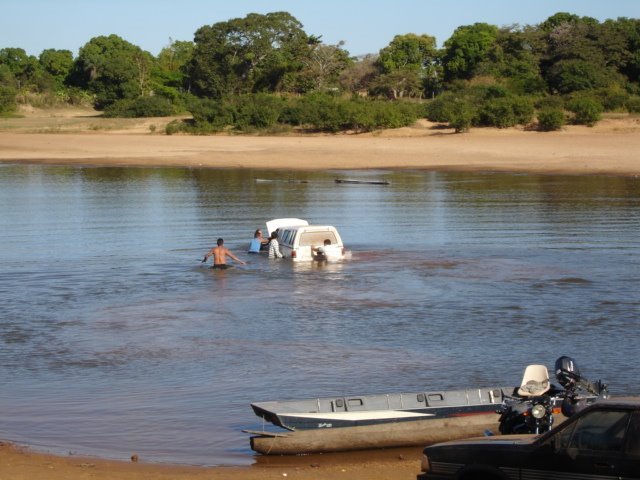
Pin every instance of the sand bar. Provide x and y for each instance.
(609, 148)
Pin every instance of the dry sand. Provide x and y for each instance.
(80, 137)
(18, 463)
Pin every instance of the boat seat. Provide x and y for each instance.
(535, 381)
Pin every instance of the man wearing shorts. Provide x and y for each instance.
(220, 254)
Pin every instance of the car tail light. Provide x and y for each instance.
(293, 254)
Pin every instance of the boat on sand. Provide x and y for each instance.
(332, 424)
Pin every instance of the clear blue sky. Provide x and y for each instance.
(365, 25)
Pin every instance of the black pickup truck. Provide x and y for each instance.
(600, 442)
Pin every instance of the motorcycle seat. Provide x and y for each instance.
(535, 381)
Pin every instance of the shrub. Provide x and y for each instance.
(322, 112)
(550, 119)
(461, 115)
(550, 101)
(506, 112)
(439, 109)
(212, 115)
(586, 110)
(140, 107)
(633, 104)
(498, 113)
(613, 99)
(7, 99)
(257, 111)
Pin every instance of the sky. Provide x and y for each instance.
(365, 26)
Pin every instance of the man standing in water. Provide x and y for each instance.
(220, 254)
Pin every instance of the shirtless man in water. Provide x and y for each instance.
(220, 254)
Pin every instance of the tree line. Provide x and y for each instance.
(265, 72)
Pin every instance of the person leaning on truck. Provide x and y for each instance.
(274, 246)
(220, 254)
(319, 254)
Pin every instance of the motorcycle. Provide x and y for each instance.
(531, 409)
(568, 375)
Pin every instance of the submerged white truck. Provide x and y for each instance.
(302, 242)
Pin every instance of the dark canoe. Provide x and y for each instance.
(369, 182)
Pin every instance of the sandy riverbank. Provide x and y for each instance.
(18, 463)
(79, 137)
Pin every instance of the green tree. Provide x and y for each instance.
(568, 76)
(168, 77)
(24, 69)
(175, 56)
(409, 51)
(514, 58)
(113, 69)
(248, 54)
(468, 48)
(398, 84)
(57, 63)
(408, 65)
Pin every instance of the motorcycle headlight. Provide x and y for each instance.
(538, 411)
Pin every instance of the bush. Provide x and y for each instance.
(586, 110)
(506, 112)
(498, 113)
(257, 111)
(322, 112)
(439, 109)
(613, 99)
(461, 115)
(7, 99)
(211, 115)
(633, 105)
(140, 107)
(550, 119)
(550, 101)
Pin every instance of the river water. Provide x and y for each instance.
(115, 339)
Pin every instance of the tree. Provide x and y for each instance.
(358, 76)
(408, 52)
(322, 66)
(24, 68)
(467, 48)
(248, 54)
(169, 78)
(57, 63)
(113, 69)
(514, 58)
(398, 84)
(568, 76)
(408, 65)
(175, 56)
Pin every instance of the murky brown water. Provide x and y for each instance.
(115, 339)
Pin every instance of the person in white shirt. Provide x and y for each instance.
(274, 246)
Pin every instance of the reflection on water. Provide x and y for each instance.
(114, 339)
